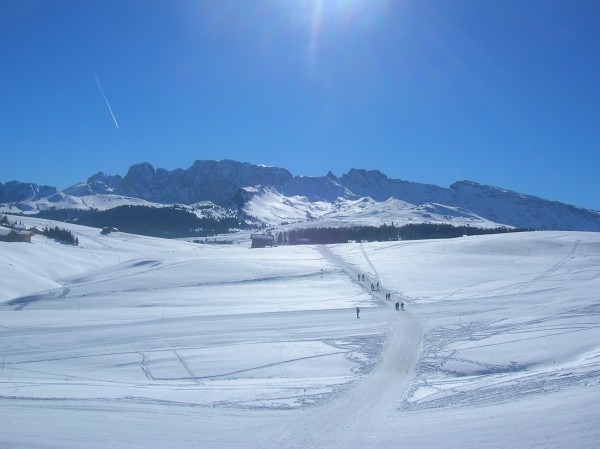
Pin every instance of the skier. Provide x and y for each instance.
(357, 312)
(402, 305)
(363, 278)
(396, 305)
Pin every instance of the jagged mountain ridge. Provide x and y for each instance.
(273, 195)
(215, 181)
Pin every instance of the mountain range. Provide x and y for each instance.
(267, 195)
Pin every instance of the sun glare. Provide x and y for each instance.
(338, 15)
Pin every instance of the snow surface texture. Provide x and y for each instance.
(129, 341)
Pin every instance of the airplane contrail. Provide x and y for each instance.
(106, 99)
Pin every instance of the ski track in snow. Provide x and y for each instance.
(185, 365)
(363, 406)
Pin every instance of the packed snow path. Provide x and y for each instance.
(358, 417)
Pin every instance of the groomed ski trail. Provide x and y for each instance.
(360, 414)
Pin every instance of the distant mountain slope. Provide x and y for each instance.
(271, 195)
(16, 192)
(376, 185)
(515, 209)
(495, 204)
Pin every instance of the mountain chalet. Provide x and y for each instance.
(262, 240)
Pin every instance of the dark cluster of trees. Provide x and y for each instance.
(64, 215)
(169, 221)
(172, 221)
(62, 235)
(383, 233)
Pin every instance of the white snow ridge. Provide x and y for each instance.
(136, 342)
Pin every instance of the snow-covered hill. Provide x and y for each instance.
(138, 342)
(272, 207)
(272, 196)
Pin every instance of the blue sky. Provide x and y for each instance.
(505, 93)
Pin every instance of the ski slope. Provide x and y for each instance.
(129, 341)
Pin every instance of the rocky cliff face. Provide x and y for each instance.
(99, 184)
(376, 185)
(215, 181)
(325, 188)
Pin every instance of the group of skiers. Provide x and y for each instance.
(375, 288)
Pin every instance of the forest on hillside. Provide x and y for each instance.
(169, 222)
(383, 233)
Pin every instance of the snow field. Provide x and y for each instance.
(505, 316)
(183, 323)
(129, 341)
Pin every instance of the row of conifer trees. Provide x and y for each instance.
(62, 235)
(382, 233)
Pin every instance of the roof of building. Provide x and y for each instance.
(5, 231)
(262, 237)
